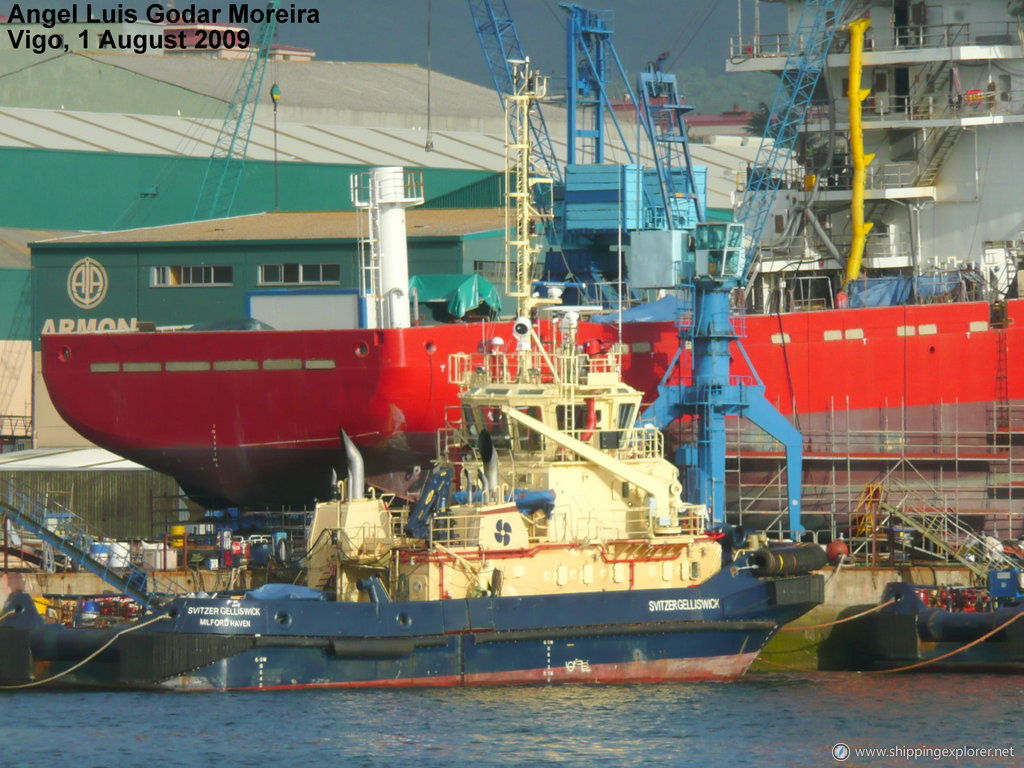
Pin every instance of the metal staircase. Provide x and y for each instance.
(935, 151)
(891, 501)
(930, 78)
(67, 533)
(949, 536)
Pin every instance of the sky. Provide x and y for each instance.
(692, 32)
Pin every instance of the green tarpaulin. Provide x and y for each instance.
(454, 296)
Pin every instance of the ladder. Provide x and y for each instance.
(938, 527)
(941, 145)
(364, 195)
(67, 533)
(1002, 386)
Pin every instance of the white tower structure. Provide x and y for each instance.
(385, 193)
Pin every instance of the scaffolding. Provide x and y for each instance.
(966, 471)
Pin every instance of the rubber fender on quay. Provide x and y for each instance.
(788, 561)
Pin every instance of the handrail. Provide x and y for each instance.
(906, 37)
(68, 533)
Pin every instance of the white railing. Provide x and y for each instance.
(884, 38)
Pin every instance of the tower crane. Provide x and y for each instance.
(805, 61)
(224, 171)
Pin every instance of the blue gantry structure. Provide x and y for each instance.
(595, 202)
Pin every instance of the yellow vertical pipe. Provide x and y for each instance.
(856, 95)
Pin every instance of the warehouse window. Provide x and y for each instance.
(192, 275)
(300, 274)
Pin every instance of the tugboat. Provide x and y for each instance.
(551, 544)
(958, 629)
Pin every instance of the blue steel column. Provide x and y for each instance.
(715, 395)
(712, 396)
(571, 87)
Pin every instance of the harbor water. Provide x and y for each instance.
(777, 719)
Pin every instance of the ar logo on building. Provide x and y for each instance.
(87, 283)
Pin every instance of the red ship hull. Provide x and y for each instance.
(251, 418)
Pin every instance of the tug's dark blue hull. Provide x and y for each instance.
(910, 635)
(711, 631)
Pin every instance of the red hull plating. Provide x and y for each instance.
(252, 417)
(662, 671)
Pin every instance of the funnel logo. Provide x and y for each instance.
(87, 283)
(503, 533)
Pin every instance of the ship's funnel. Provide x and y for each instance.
(356, 475)
(489, 458)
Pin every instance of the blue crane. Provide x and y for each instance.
(596, 200)
(662, 114)
(224, 171)
(500, 41)
(711, 393)
(723, 262)
(804, 63)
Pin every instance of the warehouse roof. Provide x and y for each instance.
(316, 225)
(316, 142)
(356, 86)
(14, 250)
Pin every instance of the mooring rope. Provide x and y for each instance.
(838, 621)
(88, 658)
